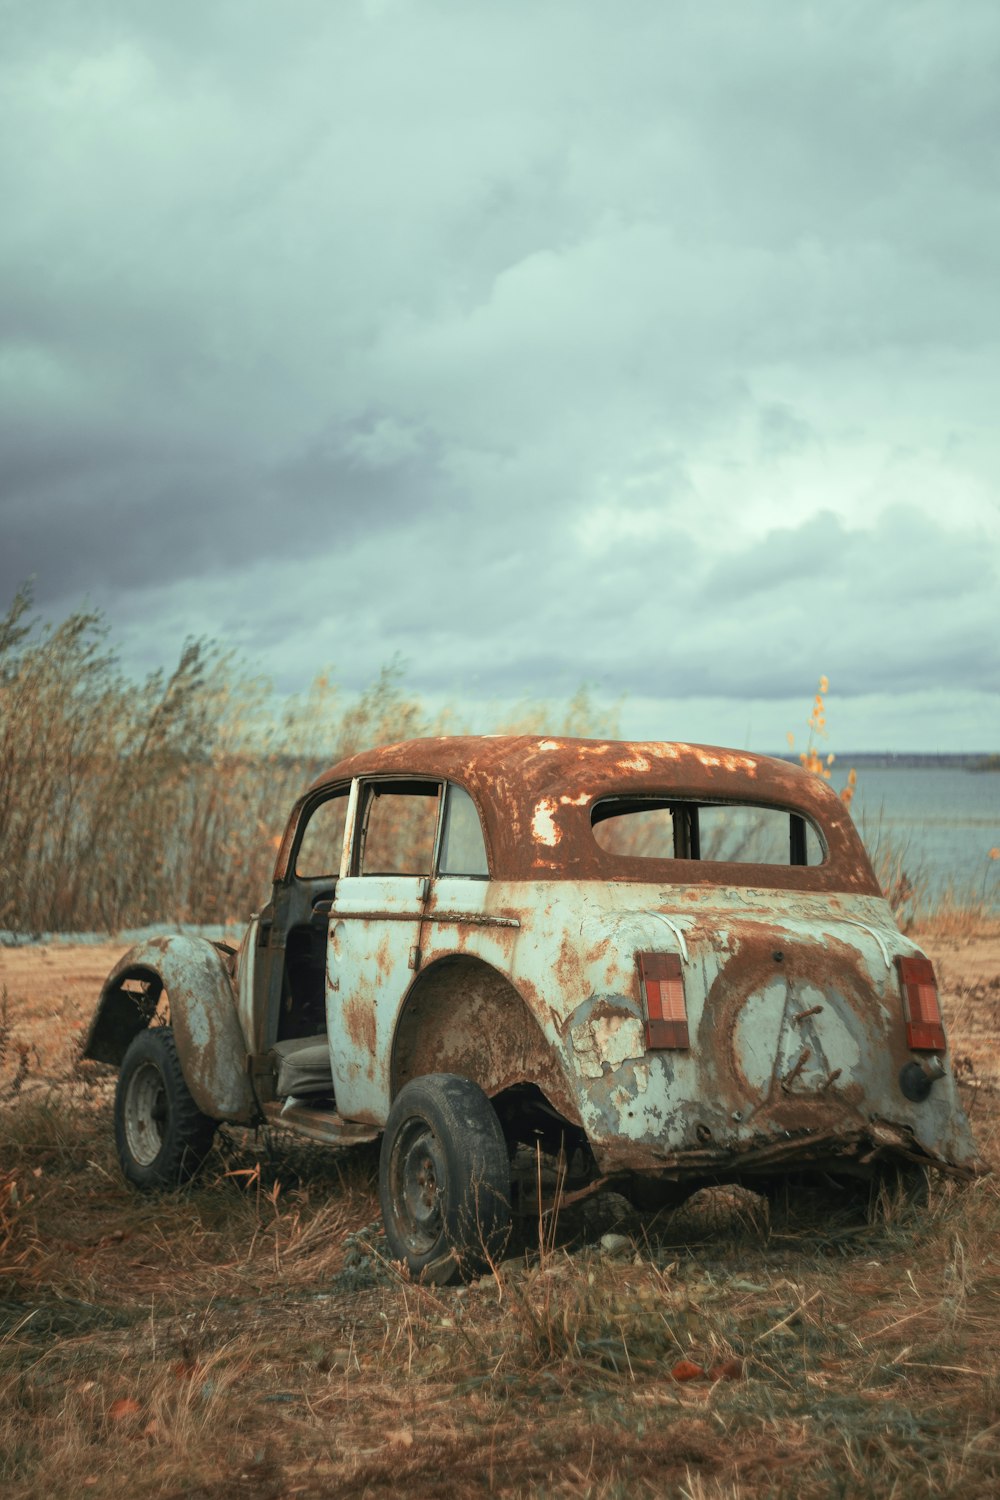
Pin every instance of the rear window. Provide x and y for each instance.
(713, 832)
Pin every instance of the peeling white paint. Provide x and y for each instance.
(635, 763)
(729, 762)
(607, 1041)
(543, 823)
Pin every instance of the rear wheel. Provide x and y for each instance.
(161, 1135)
(444, 1179)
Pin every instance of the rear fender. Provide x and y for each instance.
(463, 1016)
(203, 1015)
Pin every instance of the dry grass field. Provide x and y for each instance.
(246, 1337)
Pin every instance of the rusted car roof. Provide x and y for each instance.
(536, 794)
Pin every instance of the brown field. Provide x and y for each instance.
(245, 1338)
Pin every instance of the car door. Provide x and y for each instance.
(374, 945)
(282, 961)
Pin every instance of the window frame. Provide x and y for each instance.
(367, 785)
(306, 815)
(357, 834)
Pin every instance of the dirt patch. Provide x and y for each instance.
(52, 991)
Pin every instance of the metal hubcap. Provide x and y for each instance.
(145, 1114)
(419, 1180)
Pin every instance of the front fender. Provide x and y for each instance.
(203, 1015)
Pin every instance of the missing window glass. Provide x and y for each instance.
(716, 832)
(399, 828)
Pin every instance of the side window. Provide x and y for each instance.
(399, 828)
(463, 851)
(321, 843)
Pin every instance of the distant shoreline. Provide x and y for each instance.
(887, 760)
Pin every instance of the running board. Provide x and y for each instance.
(323, 1125)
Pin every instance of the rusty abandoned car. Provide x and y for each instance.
(672, 963)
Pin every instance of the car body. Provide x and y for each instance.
(673, 959)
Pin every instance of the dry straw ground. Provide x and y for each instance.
(244, 1339)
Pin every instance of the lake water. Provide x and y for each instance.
(946, 822)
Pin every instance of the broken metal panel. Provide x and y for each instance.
(385, 932)
(127, 1004)
(203, 1015)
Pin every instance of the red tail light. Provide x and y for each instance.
(663, 997)
(924, 1029)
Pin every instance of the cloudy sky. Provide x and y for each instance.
(652, 345)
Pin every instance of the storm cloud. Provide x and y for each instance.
(654, 347)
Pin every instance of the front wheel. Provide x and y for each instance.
(444, 1179)
(161, 1134)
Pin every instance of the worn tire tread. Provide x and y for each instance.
(190, 1132)
(478, 1222)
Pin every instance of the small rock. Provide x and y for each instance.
(615, 1244)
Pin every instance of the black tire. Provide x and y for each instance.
(161, 1134)
(444, 1179)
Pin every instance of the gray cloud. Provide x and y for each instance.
(532, 344)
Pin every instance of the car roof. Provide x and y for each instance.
(536, 792)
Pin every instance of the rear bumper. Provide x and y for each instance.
(859, 1148)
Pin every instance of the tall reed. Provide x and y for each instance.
(125, 802)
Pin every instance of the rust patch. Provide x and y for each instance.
(753, 969)
(568, 967)
(464, 1017)
(384, 962)
(359, 1023)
